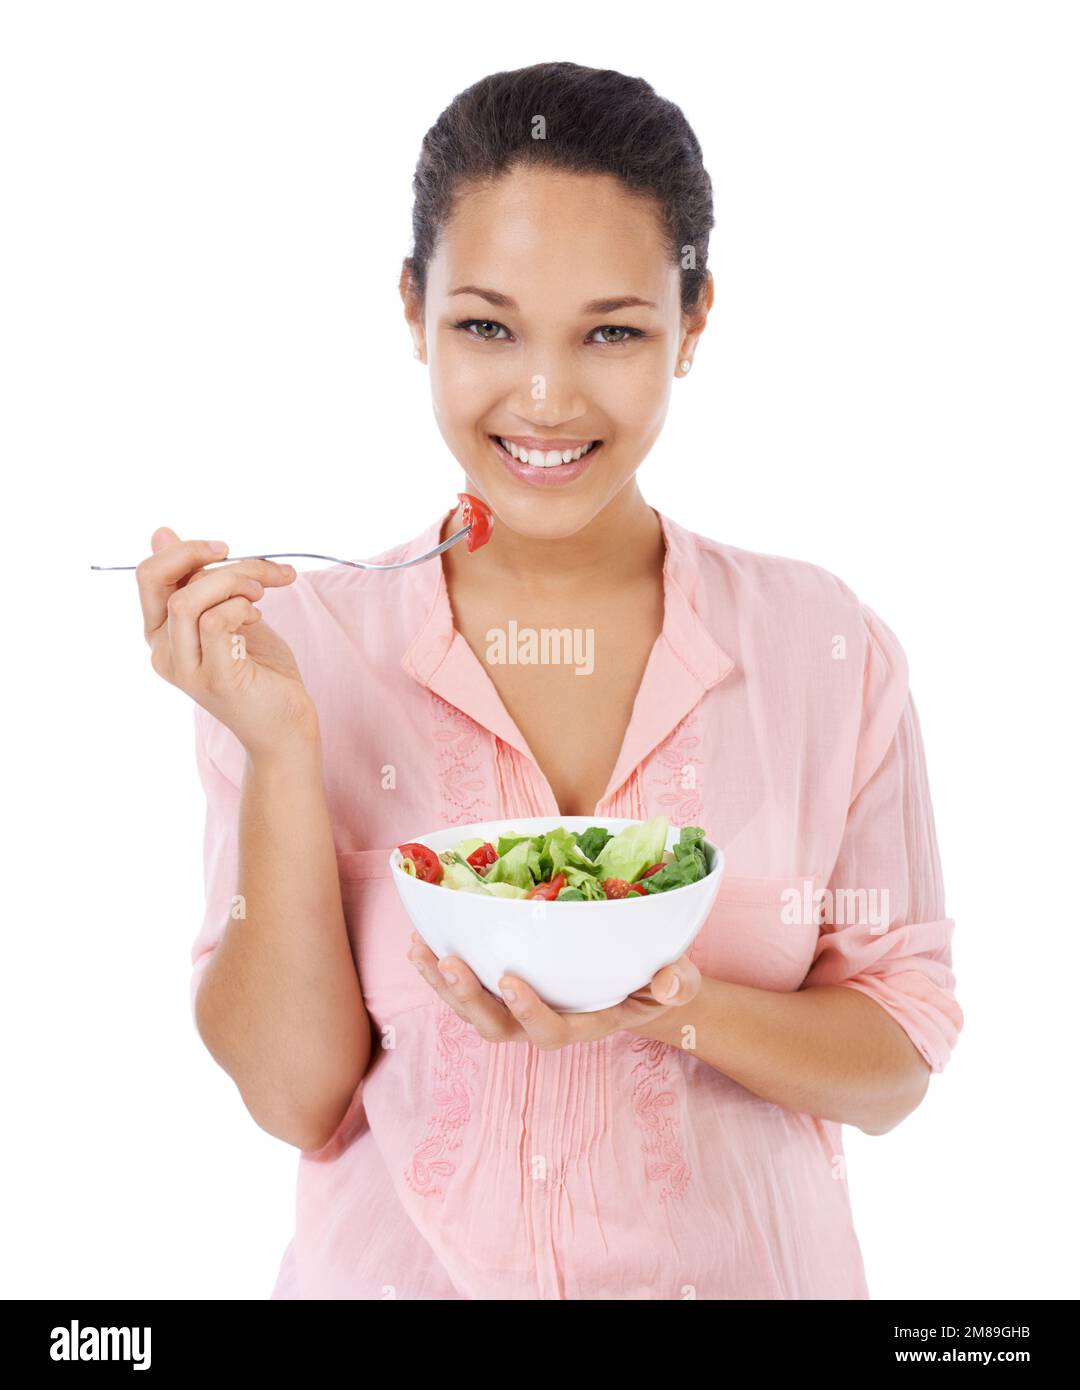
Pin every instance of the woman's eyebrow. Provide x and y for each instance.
(594, 306)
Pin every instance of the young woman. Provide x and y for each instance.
(687, 1142)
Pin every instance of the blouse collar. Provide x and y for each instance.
(685, 662)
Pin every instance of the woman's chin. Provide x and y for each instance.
(540, 516)
(538, 511)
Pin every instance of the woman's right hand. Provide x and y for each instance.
(206, 637)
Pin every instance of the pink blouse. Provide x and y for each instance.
(775, 712)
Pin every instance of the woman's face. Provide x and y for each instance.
(526, 340)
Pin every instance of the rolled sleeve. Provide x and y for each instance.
(886, 932)
(220, 771)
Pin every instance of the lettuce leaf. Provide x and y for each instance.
(519, 865)
(553, 847)
(593, 840)
(559, 851)
(467, 847)
(583, 881)
(688, 865)
(457, 874)
(633, 849)
(462, 876)
(507, 843)
(505, 890)
(691, 842)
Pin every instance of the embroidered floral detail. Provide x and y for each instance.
(458, 740)
(653, 1102)
(453, 1098)
(678, 762)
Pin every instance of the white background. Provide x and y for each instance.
(205, 211)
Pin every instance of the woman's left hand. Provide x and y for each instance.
(526, 1018)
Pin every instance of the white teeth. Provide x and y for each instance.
(538, 459)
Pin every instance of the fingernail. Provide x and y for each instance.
(448, 976)
(219, 547)
(509, 995)
(288, 569)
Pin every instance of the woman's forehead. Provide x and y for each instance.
(555, 241)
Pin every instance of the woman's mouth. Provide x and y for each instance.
(545, 467)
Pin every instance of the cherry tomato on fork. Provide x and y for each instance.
(548, 891)
(477, 516)
(427, 863)
(482, 857)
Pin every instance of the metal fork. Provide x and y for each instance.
(307, 555)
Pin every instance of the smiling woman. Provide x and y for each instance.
(542, 381)
(689, 1137)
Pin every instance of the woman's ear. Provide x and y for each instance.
(414, 308)
(694, 320)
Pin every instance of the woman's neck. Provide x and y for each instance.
(622, 545)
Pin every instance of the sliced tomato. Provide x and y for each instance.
(476, 515)
(655, 869)
(548, 890)
(426, 860)
(482, 857)
(615, 887)
(637, 890)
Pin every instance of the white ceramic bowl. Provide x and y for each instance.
(578, 956)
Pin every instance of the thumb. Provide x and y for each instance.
(162, 537)
(667, 992)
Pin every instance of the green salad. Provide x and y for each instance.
(563, 865)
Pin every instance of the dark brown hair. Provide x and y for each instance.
(596, 121)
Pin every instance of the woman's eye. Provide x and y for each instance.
(614, 328)
(468, 324)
